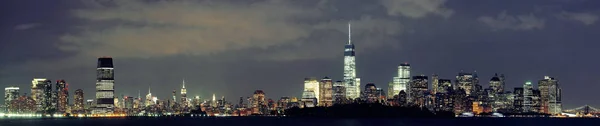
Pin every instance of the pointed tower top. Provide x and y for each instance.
(183, 83)
(148, 90)
(349, 33)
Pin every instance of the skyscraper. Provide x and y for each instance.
(550, 95)
(527, 97)
(444, 85)
(48, 98)
(258, 102)
(104, 86)
(401, 82)
(434, 83)
(350, 79)
(370, 93)
(149, 101)
(312, 85)
(37, 91)
(10, 93)
(465, 81)
(62, 93)
(184, 100)
(78, 101)
(326, 92)
(128, 102)
(339, 90)
(496, 84)
(418, 87)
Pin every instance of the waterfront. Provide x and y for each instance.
(280, 121)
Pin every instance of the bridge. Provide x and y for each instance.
(585, 109)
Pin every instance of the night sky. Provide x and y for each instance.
(233, 47)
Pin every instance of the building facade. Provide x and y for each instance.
(10, 93)
(339, 92)
(78, 103)
(350, 80)
(326, 92)
(105, 90)
(62, 93)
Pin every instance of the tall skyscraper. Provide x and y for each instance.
(550, 95)
(48, 98)
(10, 93)
(105, 86)
(149, 101)
(184, 100)
(326, 92)
(78, 101)
(37, 91)
(496, 84)
(434, 83)
(258, 102)
(62, 93)
(527, 97)
(465, 81)
(418, 87)
(402, 81)
(339, 90)
(312, 85)
(370, 95)
(350, 79)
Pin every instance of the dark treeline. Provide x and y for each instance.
(365, 111)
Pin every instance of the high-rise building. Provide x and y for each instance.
(62, 93)
(128, 100)
(550, 95)
(370, 93)
(312, 85)
(444, 85)
(10, 93)
(497, 84)
(149, 101)
(105, 90)
(350, 79)
(466, 81)
(48, 97)
(184, 100)
(258, 102)
(527, 97)
(518, 99)
(418, 88)
(401, 82)
(37, 92)
(90, 103)
(434, 83)
(78, 101)
(326, 92)
(339, 92)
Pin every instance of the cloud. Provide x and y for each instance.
(520, 22)
(27, 26)
(141, 29)
(585, 18)
(417, 8)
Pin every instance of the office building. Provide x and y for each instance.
(418, 88)
(550, 95)
(258, 102)
(104, 86)
(184, 99)
(466, 81)
(370, 95)
(444, 85)
(312, 85)
(527, 97)
(350, 80)
(10, 93)
(326, 92)
(434, 83)
(339, 90)
(78, 103)
(62, 93)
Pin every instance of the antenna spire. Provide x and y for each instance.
(183, 83)
(349, 33)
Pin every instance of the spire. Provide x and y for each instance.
(349, 33)
(148, 90)
(183, 83)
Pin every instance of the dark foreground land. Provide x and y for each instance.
(298, 121)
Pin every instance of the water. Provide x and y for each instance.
(274, 121)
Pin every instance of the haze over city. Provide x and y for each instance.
(233, 47)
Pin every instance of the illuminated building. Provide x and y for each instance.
(258, 102)
(197, 101)
(536, 101)
(339, 90)
(37, 92)
(48, 98)
(78, 101)
(149, 101)
(444, 85)
(466, 81)
(184, 100)
(326, 92)
(402, 81)
(116, 102)
(527, 97)
(104, 86)
(497, 84)
(10, 93)
(213, 103)
(554, 96)
(370, 93)
(312, 85)
(477, 108)
(434, 83)
(390, 90)
(351, 82)
(518, 100)
(22, 105)
(282, 104)
(62, 93)
(90, 103)
(309, 99)
(418, 87)
(128, 100)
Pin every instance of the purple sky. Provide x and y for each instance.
(233, 47)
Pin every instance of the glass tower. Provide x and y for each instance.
(104, 86)
(350, 80)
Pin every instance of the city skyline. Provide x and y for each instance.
(524, 42)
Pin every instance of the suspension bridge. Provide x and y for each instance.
(585, 109)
